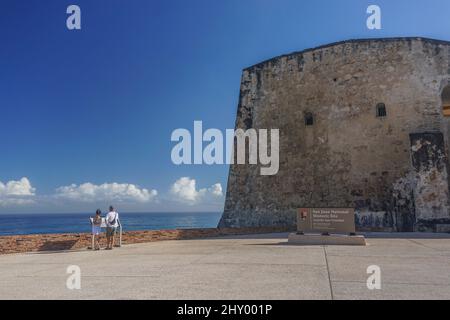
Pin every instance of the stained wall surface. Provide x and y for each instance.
(393, 169)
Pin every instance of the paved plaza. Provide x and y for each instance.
(413, 266)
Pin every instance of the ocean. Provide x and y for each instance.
(21, 224)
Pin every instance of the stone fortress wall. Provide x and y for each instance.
(338, 148)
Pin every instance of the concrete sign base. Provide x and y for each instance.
(317, 239)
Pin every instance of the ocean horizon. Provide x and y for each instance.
(49, 223)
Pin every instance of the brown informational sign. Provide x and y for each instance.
(326, 220)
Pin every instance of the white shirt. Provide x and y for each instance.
(110, 218)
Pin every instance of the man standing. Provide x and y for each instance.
(112, 222)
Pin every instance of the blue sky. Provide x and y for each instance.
(96, 107)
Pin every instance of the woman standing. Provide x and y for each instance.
(96, 229)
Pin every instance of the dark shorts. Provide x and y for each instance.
(110, 231)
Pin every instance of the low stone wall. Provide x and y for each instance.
(72, 241)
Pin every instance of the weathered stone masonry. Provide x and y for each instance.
(393, 169)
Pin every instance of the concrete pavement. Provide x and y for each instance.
(239, 267)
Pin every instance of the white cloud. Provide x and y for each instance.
(121, 192)
(16, 192)
(17, 188)
(216, 190)
(185, 190)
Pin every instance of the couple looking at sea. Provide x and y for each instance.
(112, 223)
